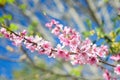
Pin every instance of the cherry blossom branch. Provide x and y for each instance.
(104, 62)
(4, 26)
(79, 52)
(52, 50)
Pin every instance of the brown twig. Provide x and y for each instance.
(106, 63)
(51, 49)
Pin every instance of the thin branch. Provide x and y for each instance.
(43, 48)
(106, 63)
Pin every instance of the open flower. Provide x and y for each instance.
(106, 75)
(117, 69)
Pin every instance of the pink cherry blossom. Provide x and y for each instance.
(61, 53)
(72, 49)
(70, 38)
(117, 69)
(31, 47)
(54, 22)
(5, 33)
(57, 29)
(106, 75)
(74, 42)
(23, 33)
(3, 30)
(47, 47)
(92, 60)
(49, 25)
(102, 51)
(115, 57)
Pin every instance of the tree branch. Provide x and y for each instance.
(106, 63)
(32, 62)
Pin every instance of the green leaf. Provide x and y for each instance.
(2, 2)
(13, 27)
(34, 23)
(86, 34)
(89, 23)
(76, 71)
(105, 1)
(1, 19)
(9, 17)
(117, 31)
(100, 33)
(31, 30)
(23, 7)
(10, 1)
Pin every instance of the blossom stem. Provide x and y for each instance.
(107, 63)
(52, 50)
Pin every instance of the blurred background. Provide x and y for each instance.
(91, 18)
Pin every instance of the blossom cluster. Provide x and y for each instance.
(85, 52)
(115, 57)
(71, 48)
(32, 43)
(108, 76)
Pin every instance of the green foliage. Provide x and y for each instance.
(41, 63)
(116, 19)
(117, 31)
(32, 29)
(89, 23)
(112, 35)
(76, 71)
(1, 19)
(5, 17)
(23, 7)
(9, 17)
(105, 1)
(100, 33)
(115, 47)
(28, 73)
(10, 1)
(34, 23)
(13, 27)
(110, 38)
(88, 33)
(2, 2)
(32, 73)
